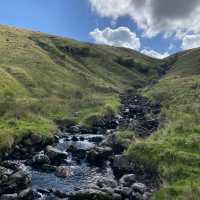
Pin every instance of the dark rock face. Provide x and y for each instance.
(99, 154)
(96, 139)
(14, 183)
(78, 153)
(29, 145)
(140, 114)
(105, 123)
(121, 164)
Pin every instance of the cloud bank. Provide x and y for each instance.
(155, 54)
(123, 37)
(154, 16)
(191, 41)
(119, 37)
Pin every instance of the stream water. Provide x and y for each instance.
(82, 173)
(138, 114)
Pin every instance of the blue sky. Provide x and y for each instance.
(78, 18)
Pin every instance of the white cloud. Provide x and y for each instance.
(154, 16)
(155, 54)
(119, 37)
(171, 46)
(191, 41)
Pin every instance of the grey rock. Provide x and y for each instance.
(96, 139)
(74, 139)
(5, 172)
(40, 159)
(60, 194)
(63, 171)
(137, 196)
(90, 194)
(13, 165)
(26, 194)
(19, 179)
(116, 196)
(117, 145)
(36, 139)
(55, 154)
(146, 195)
(48, 167)
(106, 182)
(121, 164)
(127, 180)
(123, 191)
(126, 191)
(99, 154)
(43, 191)
(9, 197)
(139, 187)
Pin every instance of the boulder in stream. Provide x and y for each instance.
(40, 159)
(55, 154)
(106, 182)
(14, 183)
(63, 171)
(99, 155)
(127, 180)
(90, 194)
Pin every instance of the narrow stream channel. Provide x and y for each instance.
(81, 164)
(82, 173)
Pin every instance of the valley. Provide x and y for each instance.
(56, 91)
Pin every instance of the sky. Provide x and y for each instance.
(157, 28)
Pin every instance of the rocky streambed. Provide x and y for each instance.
(82, 163)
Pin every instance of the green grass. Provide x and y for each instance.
(126, 134)
(174, 150)
(11, 131)
(44, 77)
(50, 78)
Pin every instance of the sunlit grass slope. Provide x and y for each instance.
(43, 78)
(174, 151)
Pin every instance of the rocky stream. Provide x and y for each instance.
(82, 163)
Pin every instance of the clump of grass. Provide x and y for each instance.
(13, 130)
(126, 134)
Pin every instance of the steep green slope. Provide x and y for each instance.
(174, 150)
(43, 78)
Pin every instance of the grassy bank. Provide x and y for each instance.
(174, 150)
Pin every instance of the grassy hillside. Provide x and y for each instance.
(174, 150)
(43, 78)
